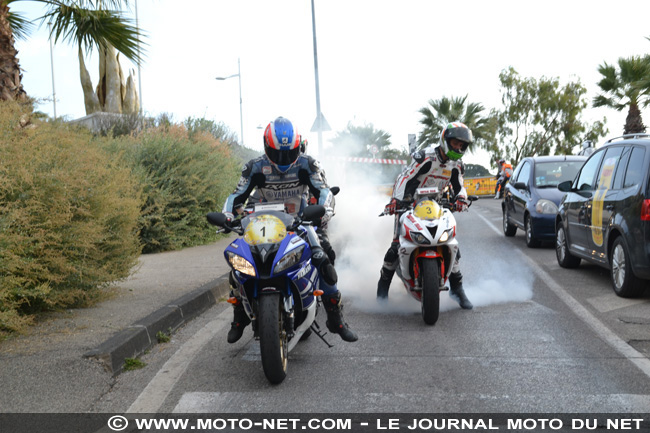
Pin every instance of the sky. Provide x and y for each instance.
(379, 61)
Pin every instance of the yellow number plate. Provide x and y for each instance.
(427, 210)
(265, 229)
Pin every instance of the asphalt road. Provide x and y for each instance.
(540, 339)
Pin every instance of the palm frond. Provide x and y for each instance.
(92, 22)
(20, 27)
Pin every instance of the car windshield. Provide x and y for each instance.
(551, 174)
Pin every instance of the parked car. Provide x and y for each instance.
(605, 215)
(531, 197)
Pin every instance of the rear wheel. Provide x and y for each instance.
(564, 257)
(508, 229)
(430, 291)
(531, 240)
(625, 283)
(273, 337)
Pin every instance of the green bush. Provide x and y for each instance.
(184, 177)
(68, 217)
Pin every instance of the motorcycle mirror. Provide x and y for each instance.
(216, 218)
(313, 213)
(335, 190)
(472, 197)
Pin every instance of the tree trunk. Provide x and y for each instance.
(131, 103)
(91, 101)
(112, 94)
(113, 102)
(634, 122)
(11, 88)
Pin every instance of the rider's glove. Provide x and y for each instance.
(329, 213)
(229, 219)
(391, 208)
(461, 204)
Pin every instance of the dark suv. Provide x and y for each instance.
(605, 215)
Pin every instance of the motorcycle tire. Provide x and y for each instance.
(430, 291)
(273, 338)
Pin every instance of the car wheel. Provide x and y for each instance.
(531, 241)
(564, 257)
(508, 229)
(625, 283)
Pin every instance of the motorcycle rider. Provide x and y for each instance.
(286, 174)
(503, 176)
(434, 166)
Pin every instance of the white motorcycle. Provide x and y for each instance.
(427, 248)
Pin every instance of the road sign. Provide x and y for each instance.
(320, 124)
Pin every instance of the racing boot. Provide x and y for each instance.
(385, 278)
(456, 291)
(387, 270)
(239, 322)
(335, 323)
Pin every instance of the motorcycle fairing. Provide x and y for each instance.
(302, 275)
(410, 251)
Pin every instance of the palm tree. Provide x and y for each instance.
(626, 86)
(88, 23)
(441, 112)
(358, 140)
(11, 87)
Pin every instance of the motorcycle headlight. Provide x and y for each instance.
(241, 264)
(419, 238)
(289, 260)
(544, 206)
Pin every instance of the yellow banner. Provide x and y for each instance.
(474, 186)
(481, 185)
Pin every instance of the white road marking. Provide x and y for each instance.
(603, 332)
(360, 402)
(154, 395)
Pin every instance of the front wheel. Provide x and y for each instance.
(531, 240)
(430, 291)
(273, 337)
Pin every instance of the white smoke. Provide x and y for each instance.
(361, 239)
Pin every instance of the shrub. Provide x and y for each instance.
(68, 218)
(183, 178)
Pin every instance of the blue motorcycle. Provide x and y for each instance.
(273, 272)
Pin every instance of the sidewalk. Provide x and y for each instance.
(76, 348)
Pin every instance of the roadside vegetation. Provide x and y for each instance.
(78, 209)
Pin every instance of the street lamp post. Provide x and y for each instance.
(241, 117)
(320, 124)
(49, 25)
(137, 26)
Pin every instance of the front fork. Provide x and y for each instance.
(429, 254)
(251, 311)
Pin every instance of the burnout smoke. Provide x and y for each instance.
(361, 239)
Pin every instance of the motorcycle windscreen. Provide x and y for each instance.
(427, 210)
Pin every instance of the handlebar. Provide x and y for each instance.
(443, 202)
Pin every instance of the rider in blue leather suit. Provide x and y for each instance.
(284, 174)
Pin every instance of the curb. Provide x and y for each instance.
(141, 336)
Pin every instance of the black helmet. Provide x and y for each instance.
(460, 132)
